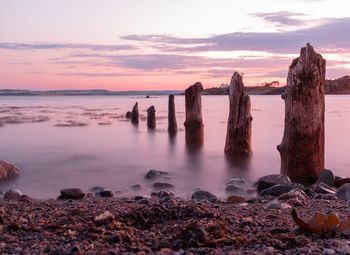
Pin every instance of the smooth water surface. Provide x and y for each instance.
(104, 149)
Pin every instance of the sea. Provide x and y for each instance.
(85, 141)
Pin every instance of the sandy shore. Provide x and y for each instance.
(166, 225)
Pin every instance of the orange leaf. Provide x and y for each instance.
(344, 226)
(316, 228)
(332, 222)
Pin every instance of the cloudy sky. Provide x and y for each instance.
(164, 44)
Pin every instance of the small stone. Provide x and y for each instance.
(232, 188)
(163, 185)
(255, 200)
(72, 193)
(277, 190)
(136, 187)
(324, 189)
(128, 115)
(327, 177)
(275, 204)
(236, 199)
(137, 198)
(96, 189)
(328, 251)
(325, 196)
(162, 194)
(344, 192)
(268, 181)
(200, 195)
(13, 194)
(105, 193)
(341, 181)
(237, 181)
(295, 193)
(152, 174)
(7, 171)
(105, 217)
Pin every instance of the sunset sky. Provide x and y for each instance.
(164, 44)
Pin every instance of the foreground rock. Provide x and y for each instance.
(277, 190)
(327, 177)
(200, 195)
(194, 131)
(268, 181)
(72, 193)
(7, 171)
(163, 226)
(344, 192)
(239, 124)
(13, 194)
(236, 199)
(154, 174)
(302, 147)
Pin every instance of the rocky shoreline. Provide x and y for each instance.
(103, 222)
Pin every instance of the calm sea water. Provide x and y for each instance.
(108, 151)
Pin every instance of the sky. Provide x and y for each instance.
(164, 44)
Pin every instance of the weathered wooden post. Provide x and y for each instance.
(172, 124)
(239, 124)
(302, 147)
(135, 114)
(151, 117)
(194, 123)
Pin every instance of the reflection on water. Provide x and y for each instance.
(60, 142)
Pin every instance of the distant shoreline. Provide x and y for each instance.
(340, 86)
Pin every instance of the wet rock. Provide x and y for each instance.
(324, 189)
(7, 171)
(163, 185)
(96, 189)
(277, 190)
(236, 199)
(128, 115)
(194, 131)
(237, 181)
(232, 188)
(13, 194)
(162, 194)
(105, 193)
(344, 192)
(302, 146)
(295, 197)
(255, 200)
(72, 193)
(143, 201)
(239, 124)
(310, 192)
(153, 174)
(136, 187)
(268, 181)
(325, 196)
(138, 198)
(275, 204)
(327, 177)
(151, 117)
(338, 182)
(200, 195)
(172, 124)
